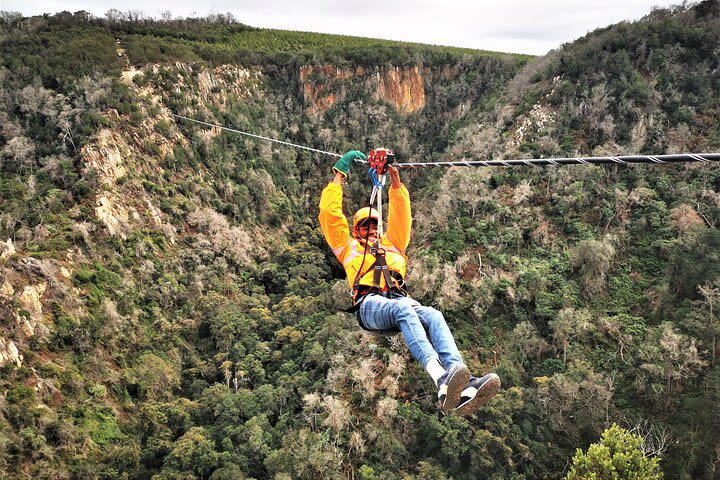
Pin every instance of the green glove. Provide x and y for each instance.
(343, 165)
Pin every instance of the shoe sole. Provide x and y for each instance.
(455, 386)
(485, 393)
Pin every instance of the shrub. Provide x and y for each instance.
(618, 455)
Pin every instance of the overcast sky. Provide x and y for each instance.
(519, 26)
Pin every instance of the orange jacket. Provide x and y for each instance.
(349, 251)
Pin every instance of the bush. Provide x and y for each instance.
(618, 456)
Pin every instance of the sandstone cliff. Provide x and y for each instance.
(325, 85)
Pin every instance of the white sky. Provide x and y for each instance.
(519, 26)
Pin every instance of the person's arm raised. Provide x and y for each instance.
(399, 213)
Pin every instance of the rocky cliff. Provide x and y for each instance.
(402, 87)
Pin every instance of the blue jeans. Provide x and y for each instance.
(424, 329)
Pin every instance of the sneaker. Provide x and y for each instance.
(450, 386)
(478, 391)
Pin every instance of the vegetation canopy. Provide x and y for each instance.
(169, 308)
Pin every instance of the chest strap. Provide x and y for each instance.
(393, 280)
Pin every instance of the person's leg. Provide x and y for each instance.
(439, 333)
(380, 313)
(478, 391)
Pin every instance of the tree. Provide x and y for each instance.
(154, 377)
(618, 456)
(527, 340)
(594, 259)
(694, 262)
(569, 325)
(114, 16)
(307, 455)
(705, 317)
(668, 358)
(577, 402)
(194, 452)
(21, 151)
(10, 18)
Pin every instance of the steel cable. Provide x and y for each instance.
(616, 160)
(281, 142)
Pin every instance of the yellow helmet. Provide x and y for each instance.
(363, 214)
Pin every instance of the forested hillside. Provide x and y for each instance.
(169, 308)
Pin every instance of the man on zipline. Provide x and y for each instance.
(379, 299)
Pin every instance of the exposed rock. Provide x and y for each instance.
(30, 301)
(322, 87)
(7, 249)
(29, 318)
(104, 155)
(45, 268)
(9, 353)
(6, 289)
(217, 85)
(155, 213)
(129, 74)
(327, 70)
(156, 216)
(209, 133)
(27, 328)
(319, 101)
(540, 117)
(113, 216)
(403, 88)
(30, 298)
(120, 214)
(638, 135)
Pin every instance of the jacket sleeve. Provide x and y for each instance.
(332, 221)
(399, 217)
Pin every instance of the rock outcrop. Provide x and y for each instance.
(540, 116)
(404, 88)
(217, 85)
(105, 157)
(7, 249)
(6, 290)
(114, 215)
(9, 353)
(324, 85)
(32, 315)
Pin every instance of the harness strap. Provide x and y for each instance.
(381, 270)
(358, 277)
(394, 281)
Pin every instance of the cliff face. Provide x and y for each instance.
(402, 87)
(320, 85)
(324, 85)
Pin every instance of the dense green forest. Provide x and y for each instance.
(169, 308)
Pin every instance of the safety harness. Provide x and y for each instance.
(394, 281)
(394, 284)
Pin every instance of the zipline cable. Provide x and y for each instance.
(617, 160)
(288, 144)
